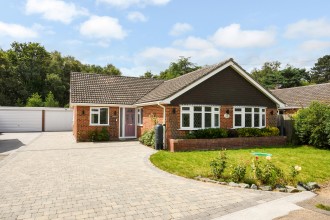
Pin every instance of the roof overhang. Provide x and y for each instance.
(96, 105)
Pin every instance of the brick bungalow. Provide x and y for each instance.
(222, 95)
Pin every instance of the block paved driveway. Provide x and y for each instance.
(56, 178)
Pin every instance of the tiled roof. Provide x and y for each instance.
(104, 89)
(302, 96)
(170, 87)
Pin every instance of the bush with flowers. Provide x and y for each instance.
(262, 171)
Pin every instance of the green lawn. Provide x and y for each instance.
(315, 162)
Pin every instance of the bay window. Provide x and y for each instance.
(249, 117)
(99, 116)
(195, 117)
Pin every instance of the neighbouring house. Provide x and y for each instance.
(222, 95)
(296, 98)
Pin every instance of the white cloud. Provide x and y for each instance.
(193, 43)
(233, 37)
(180, 28)
(102, 27)
(315, 45)
(134, 71)
(16, 31)
(309, 28)
(128, 3)
(136, 16)
(55, 10)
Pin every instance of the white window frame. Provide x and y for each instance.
(99, 114)
(139, 115)
(191, 112)
(262, 111)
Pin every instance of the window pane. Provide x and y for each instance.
(185, 120)
(238, 120)
(95, 110)
(238, 109)
(216, 120)
(138, 119)
(207, 122)
(256, 120)
(248, 109)
(263, 120)
(95, 118)
(141, 116)
(185, 108)
(208, 109)
(256, 109)
(103, 116)
(216, 109)
(248, 120)
(197, 120)
(263, 110)
(197, 108)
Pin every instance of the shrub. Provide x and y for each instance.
(267, 173)
(232, 133)
(238, 172)
(148, 138)
(248, 132)
(218, 165)
(312, 125)
(208, 133)
(257, 132)
(95, 135)
(270, 131)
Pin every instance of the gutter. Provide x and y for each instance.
(164, 123)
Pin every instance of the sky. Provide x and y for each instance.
(147, 35)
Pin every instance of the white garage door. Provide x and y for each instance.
(20, 120)
(58, 120)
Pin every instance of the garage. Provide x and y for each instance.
(36, 119)
(58, 120)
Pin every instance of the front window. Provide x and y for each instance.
(199, 117)
(140, 116)
(249, 117)
(99, 116)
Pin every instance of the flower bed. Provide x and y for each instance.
(228, 143)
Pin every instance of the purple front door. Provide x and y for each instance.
(129, 122)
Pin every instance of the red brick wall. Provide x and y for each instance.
(271, 117)
(81, 127)
(149, 112)
(228, 143)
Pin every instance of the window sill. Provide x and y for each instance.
(98, 125)
(192, 129)
(140, 125)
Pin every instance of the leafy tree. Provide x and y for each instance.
(30, 62)
(50, 101)
(111, 70)
(148, 74)
(34, 100)
(321, 70)
(269, 75)
(292, 77)
(178, 68)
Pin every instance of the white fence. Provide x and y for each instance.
(25, 119)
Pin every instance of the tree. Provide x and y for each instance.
(178, 68)
(292, 77)
(50, 101)
(321, 71)
(269, 75)
(30, 62)
(111, 70)
(148, 74)
(34, 100)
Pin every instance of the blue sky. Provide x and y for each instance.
(141, 35)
